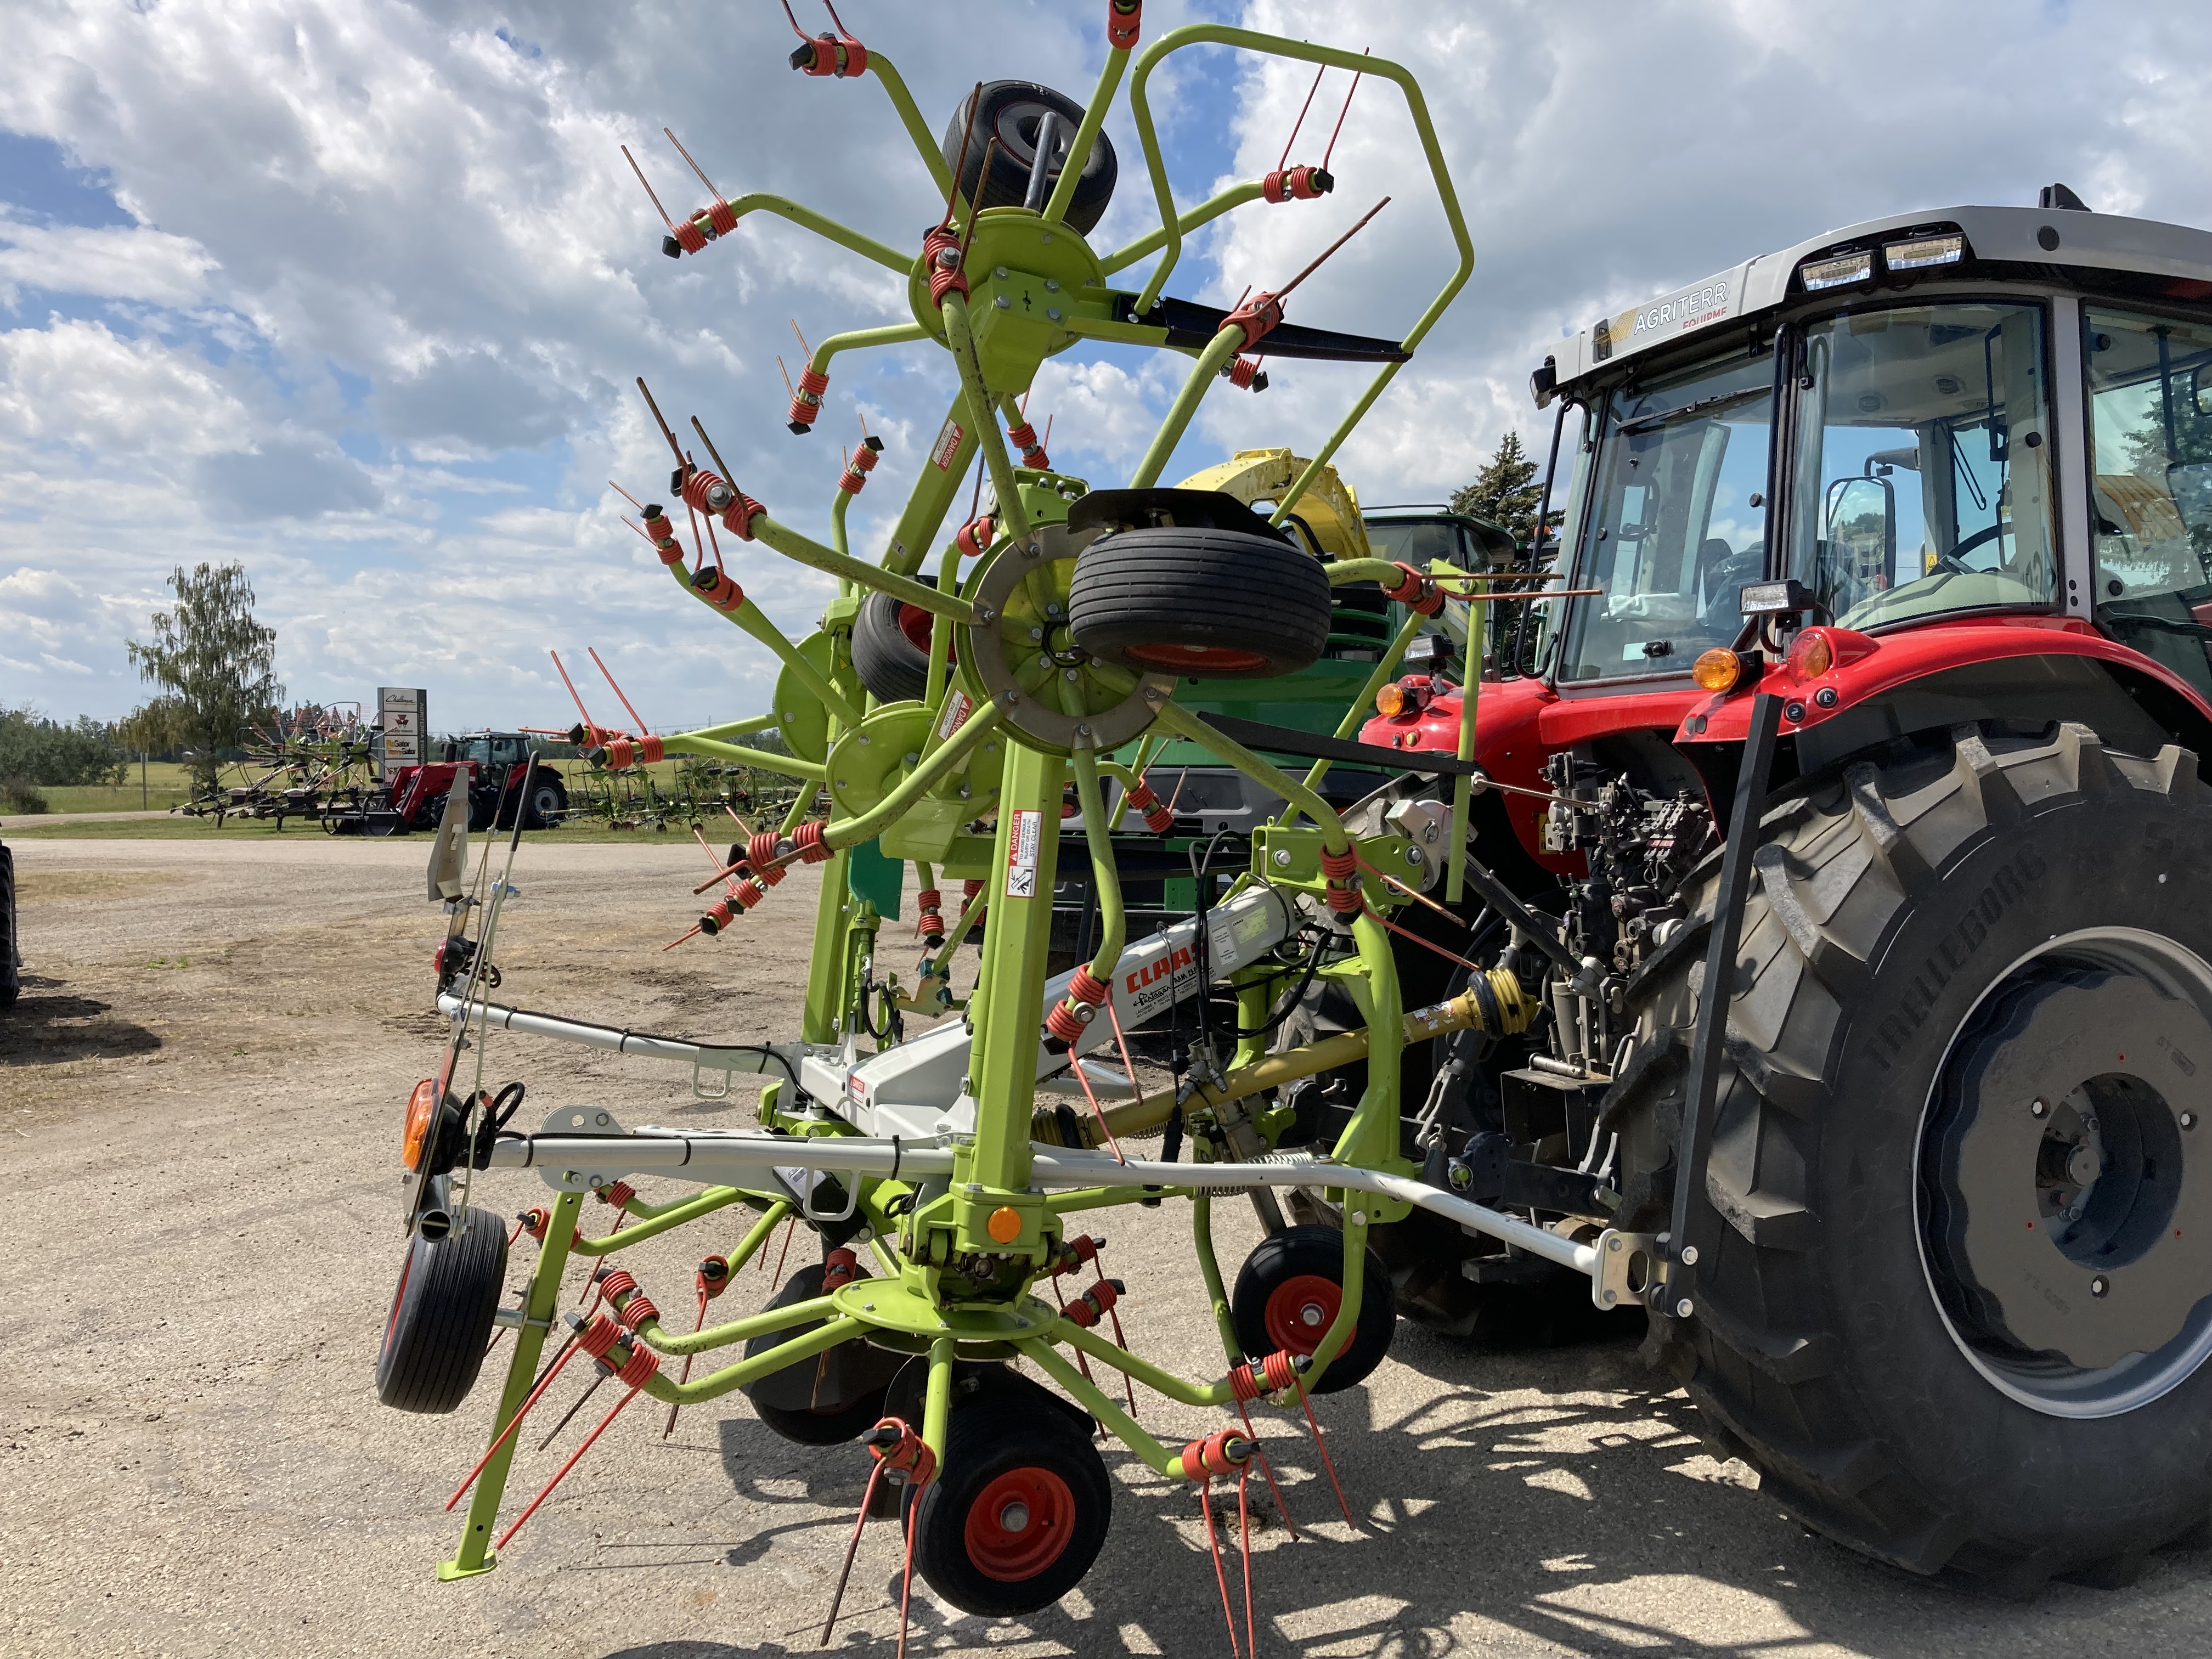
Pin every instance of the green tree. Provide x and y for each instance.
(155, 729)
(34, 750)
(1506, 492)
(216, 662)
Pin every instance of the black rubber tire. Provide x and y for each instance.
(990, 1442)
(1009, 111)
(856, 1375)
(1887, 904)
(441, 1321)
(484, 807)
(11, 966)
(889, 663)
(1156, 601)
(1314, 1251)
(544, 798)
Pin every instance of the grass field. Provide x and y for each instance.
(166, 783)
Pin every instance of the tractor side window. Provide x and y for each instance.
(479, 751)
(1923, 478)
(2150, 403)
(1673, 531)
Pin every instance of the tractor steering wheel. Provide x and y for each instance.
(1954, 560)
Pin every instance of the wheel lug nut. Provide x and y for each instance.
(2040, 1109)
(2099, 1284)
(2189, 1120)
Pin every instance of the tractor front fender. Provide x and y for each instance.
(1929, 679)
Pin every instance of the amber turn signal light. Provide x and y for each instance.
(1717, 670)
(1393, 699)
(422, 1112)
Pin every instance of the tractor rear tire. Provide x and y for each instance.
(1949, 957)
(440, 1323)
(1019, 1510)
(1207, 603)
(892, 667)
(544, 800)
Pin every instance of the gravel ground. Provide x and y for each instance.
(204, 1081)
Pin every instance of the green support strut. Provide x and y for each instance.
(474, 1556)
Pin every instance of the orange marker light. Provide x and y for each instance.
(1717, 670)
(422, 1112)
(1392, 699)
(1004, 1224)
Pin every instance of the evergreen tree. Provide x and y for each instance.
(216, 662)
(1506, 492)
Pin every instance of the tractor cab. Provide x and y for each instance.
(1995, 416)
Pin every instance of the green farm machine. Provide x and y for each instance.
(1863, 692)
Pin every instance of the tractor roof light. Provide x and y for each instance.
(1787, 598)
(422, 1114)
(1840, 270)
(1395, 699)
(1919, 253)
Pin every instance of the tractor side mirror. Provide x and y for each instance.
(2200, 391)
(1861, 518)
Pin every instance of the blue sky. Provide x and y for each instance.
(352, 293)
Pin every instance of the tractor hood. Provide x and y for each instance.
(2040, 237)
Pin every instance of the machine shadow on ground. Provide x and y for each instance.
(48, 1026)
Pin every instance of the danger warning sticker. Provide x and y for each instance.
(947, 444)
(1023, 840)
(958, 707)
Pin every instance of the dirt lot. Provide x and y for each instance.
(204, 1081)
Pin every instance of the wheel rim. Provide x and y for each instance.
(2065, 1203)
(1300, 1310)
(1020, 1524)
(1189, 659)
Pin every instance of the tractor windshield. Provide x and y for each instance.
(1674, 529)
(1923, 478)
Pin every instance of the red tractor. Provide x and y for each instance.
(501, 781)
(1852, 816)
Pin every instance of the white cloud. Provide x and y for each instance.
(374, 327)
(80, 384)
(115, 262)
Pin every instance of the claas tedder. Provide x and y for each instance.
(1869, 686)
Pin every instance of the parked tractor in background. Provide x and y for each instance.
(501, 781)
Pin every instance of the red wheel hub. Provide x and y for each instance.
(1186, 659)
(1300, 1310)
(916, 623)
(1020, 1524)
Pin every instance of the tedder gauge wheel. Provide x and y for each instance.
(1014, 111)
(1206, 603)
(1020, 1511)
(824, 1401)
(1959, 1306)
(440, 1321)
(890, 649)
(1287, 1295)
